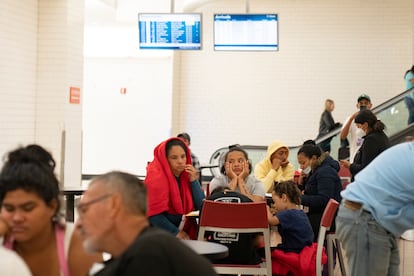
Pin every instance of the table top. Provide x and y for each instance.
(211, 250)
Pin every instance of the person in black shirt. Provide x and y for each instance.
(375, 142)
(112, 219)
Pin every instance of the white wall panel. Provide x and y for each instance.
(18, 47)
(328, 49)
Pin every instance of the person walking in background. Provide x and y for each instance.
(113, 219)
(173, 189)
(235, 174)
(275, 166)
(409, 98)
(349, 128)
(375, 142)
(187, 139)
(376, 209)
(327, 124)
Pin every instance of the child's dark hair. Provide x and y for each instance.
(220, 189)
(290, 189)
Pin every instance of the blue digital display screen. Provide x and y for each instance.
(246, 32)
(177, 31)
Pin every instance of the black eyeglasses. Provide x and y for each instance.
(81, 208)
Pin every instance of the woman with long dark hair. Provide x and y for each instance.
(375, 141)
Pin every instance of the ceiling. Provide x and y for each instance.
(121, 12)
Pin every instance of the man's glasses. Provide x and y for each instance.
(81, 208)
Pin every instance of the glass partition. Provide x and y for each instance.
(393, 113)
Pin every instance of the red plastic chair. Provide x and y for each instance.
(311, 259)
(345, 176)
(249, 217)
(326, 222)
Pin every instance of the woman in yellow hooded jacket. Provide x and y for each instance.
(275, 166)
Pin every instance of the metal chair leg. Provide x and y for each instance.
(340, 256)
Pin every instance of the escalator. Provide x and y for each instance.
(393, 113)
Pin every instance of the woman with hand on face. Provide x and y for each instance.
(236, 175)
(173, 189)
(29, 197)
(322, 183)
(275, 167)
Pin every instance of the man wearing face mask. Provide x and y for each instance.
(350, 131)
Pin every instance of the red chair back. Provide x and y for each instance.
(247, 217)
(234, 215)
(329, 213)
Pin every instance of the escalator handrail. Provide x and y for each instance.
(377, 109)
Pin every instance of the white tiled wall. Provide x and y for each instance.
(18, 47)
(328, 49)
(41, 57)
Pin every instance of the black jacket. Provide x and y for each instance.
(374, 143)
(157, 253)
(322, 184)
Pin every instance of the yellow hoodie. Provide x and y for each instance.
(264, 170)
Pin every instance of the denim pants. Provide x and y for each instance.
(370, 249)
(409, 102)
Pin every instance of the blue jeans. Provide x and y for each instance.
(369, 248)
(409, 102)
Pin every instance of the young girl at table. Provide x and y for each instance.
(292, 223)
(236, 175)
(296, 254)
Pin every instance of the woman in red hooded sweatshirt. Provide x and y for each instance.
(173, 189)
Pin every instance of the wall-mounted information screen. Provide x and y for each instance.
(246, 32)
(173, 31)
